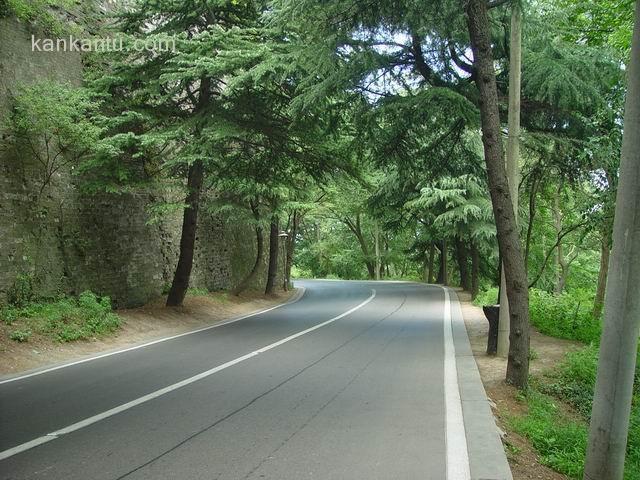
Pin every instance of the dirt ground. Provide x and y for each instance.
(140, 325)
(548, 352)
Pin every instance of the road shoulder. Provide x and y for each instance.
(523, 459)
(151, 323)
(487, 458)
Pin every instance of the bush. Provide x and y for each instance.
(20, 335)
(8, 314)
(22, 291)
(487, 297)
(563, 316)
(67, 319)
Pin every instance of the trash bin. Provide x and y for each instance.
(492, 312)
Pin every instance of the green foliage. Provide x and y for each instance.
(57, 124)
(41, 13)
(568, 315)
(65, 319)
(564, 316)
(487, 297)
(298, 271)
(20, 336)
(600, 22)
(22, 290)
(560, 440)
(197, 292)
(567, 76)
(575, 379)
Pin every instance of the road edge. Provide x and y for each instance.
(57, 366)
(487, 458)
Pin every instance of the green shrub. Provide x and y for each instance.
(8, 314)
(21, 291)
(563, 316)
(20, 335)
(38, 12)
(67, 319)
(487, 297)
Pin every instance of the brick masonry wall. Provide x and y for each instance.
(69, 241)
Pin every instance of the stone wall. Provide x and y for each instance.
(69, 241)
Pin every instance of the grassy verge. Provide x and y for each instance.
(562, 316)
(64, 319)
(559, 403)
(559, 406)
(559, 439)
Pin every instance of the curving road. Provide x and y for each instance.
(354, 380)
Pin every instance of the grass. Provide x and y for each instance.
(487, 297)
(562, 316)
(559, 404)
(197, 292)
(65, 319)
(560, 440)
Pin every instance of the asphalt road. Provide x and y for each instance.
(342, 384)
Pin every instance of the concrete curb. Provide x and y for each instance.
(487, 459)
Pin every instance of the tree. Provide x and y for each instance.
(174, 96)
(618, 349)
(460, 211)
(274, 232)
(57, 125)
(508, 234)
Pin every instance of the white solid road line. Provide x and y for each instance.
(455, 436)
(126, 406)
(297, 297)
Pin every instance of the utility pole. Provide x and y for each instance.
(609, 425)
(513, 155)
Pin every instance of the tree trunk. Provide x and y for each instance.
(386, 267)
(425, 269)
(605, 252)
(444, 262)
(357, 231)
(291, 247)
(609, 426)
(274, 231)
(182, 275)
(463, 267)
(432, 254)
(504, 213)
(249, 279)
(475, 270)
